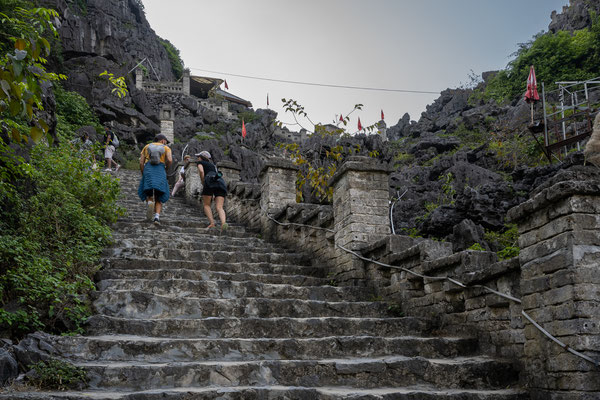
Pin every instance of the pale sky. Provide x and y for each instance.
(420, 45)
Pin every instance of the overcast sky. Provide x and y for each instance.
(418, 45)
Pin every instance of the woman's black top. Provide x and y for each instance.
(208, 166)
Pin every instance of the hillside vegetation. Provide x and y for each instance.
(56, 205)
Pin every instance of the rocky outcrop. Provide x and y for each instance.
(574, 16)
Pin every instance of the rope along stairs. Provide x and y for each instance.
(186, 313)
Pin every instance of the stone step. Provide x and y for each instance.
(420, 392)
(157, 350)
(173, 254)
(133, 304)
(240, 267)
(269, 327)
(169, 239)
(168, 223)
(148, 229)
(224, 289)
(185, 244)
(462, 372)
(205, 275)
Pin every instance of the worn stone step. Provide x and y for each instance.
(147, 229)
(134, 304)
(249, 255)
(462, 372)
(187, 245)
(253, 327)
(217, 266)
(201, 235)
(167, 222)
(420, 392)
(205, 275)
(156, 350)
(224, 289)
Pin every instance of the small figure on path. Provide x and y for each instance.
(109, 151)
(154, 187)
(213, 185)
(181, 181)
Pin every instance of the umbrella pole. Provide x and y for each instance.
(532, 113)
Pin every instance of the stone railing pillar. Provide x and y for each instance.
(360, 212)
(278, 188)
(193, 184)
(230, 170)
(139, 78)
(560, 282)
(186, 82)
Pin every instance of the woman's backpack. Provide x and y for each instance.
(115, 140)
(214, 180)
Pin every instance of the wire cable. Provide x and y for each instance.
(318, 84)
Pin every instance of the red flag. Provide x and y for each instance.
(532, 94)
(359, 124)
(382, 117)
(226, 86)
(341, 117)
(243, 129)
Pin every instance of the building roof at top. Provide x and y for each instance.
(200, 86)
(233, 98)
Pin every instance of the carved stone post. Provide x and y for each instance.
(193, 184)
(139, 79)
(278, 188)
(560, 284)
(186, 82)
(360, 212)
(167, 123)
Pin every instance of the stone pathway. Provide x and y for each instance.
(185, 313)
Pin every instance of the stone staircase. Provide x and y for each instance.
(186, 313)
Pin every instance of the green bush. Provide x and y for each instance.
(505, 241)
(174, 57)
(57, 375)
(54, 225)
(73, 112)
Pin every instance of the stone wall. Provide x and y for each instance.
(496, 321)
(555, 279)
(559, 231)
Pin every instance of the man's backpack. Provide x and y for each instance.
(155, 152)
(115, 140)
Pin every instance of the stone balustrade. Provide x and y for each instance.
(555, 275)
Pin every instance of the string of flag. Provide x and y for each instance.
(341, 119)
(317, 84)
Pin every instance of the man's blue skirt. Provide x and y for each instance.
(154, 180)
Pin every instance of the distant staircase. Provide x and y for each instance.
(184, 313)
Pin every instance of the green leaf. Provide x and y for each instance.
(16, 136)
(20, 55)
(5, 88)
(46, 45)
(17, 68)
(20, 44)
(15, 107)
(44, 125)
(36, 134)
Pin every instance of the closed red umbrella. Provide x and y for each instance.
(531, 95)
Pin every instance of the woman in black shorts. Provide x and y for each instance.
(205, 165)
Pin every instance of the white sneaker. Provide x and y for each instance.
(150, 211)
(108, 170)
(118, 166)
